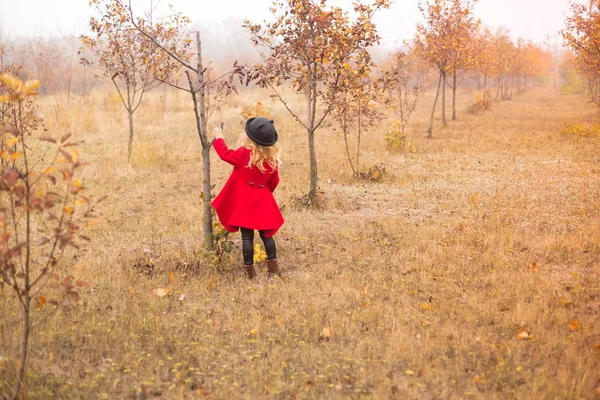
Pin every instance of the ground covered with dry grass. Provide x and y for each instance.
(471, 270)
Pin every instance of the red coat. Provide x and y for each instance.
(247, 200)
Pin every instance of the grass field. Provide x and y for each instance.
(472, 270)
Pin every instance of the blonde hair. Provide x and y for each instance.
(259, 155)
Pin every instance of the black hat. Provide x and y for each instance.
(261, 131)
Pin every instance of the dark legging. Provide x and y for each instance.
(248, 245)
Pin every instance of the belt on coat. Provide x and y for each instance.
(260, 186)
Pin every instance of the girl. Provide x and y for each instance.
(246, 201)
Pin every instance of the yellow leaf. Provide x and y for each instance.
(327, 333)
(12, 141)
(523, 334)
(475, 199)
(14, 83)
(479, 378)
(49, 169)
(171, 277)
(15, 155)
(132, 290)
(68, 210)
(252, 332)
(30, 86)
(575, 325)
(409, 372)
(75, 156)
(161, 292)
(427, 306)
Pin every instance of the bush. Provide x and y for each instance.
(258, 110)
(582, 130)
(482, 103)
(396, 140)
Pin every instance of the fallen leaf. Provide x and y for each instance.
(40, 303)
(427, 306)
(575, 325)
(533, 267)
(252, 332)
(409, 372)
(479, 378)
(181, 297)
(161, 292)
(523, 334)
(171, 277)
(327, 333)
(132, 290)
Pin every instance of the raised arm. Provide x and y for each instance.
(233, 157)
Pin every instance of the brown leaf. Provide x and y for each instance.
(65, 137)
(11, 176)
(74, 296)
(66, 282)
(82, 284)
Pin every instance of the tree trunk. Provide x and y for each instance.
(206, 145)
(444, 122)
(345, 130)
(24, 346)
(312, 193)
(437, 94)
(207, 197)
(499, 87)
(130, 142)
(454, 96)
(358, 139)
(485, 91)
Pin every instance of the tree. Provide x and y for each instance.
(582, 35)
(123, 57)
(357, 112)
(313, 46)
(482, 49)
(405, 90)
(167, 39)
(442, 41)
(43, 210)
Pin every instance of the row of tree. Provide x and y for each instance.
(452, 41)
(324, 53)
(582, 36)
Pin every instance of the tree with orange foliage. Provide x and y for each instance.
(483, 64)
(313, 47)
(582, 35)
(121, 53)
(443, 40)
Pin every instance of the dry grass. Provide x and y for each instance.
(412, 288)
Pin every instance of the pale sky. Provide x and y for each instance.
(531, 19)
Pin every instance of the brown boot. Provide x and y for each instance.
(273, 267)
(250, 271)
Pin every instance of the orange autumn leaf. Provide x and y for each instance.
(575, 325)
(40, 303)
